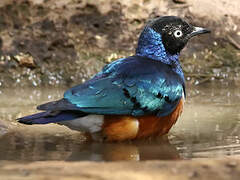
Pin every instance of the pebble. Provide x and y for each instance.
(180, 1)
(25, 60)
(231, 164)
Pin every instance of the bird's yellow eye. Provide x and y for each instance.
(178, 33)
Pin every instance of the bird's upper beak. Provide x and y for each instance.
(199, 30)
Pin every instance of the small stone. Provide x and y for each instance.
(25, 60)
(231, 164)
(180, 1)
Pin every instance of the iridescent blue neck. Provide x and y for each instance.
(150, 45)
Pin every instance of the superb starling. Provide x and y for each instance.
(133, 97)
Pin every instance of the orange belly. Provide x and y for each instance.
(119, 128)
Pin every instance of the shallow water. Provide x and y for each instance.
(209, 127)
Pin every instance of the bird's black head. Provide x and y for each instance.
(175, 32)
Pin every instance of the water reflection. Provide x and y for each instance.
(135, 151)
(20, 147)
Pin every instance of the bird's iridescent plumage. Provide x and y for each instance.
(148, 85)
(127, 87)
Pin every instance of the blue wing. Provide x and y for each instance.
(131, 86)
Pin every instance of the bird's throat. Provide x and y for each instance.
(150, 45)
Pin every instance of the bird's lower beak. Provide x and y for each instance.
(199, 30)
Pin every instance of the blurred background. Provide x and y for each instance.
(47, 46)
(64, 42)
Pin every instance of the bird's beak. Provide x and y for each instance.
(199, 30)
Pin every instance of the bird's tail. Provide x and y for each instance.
(50, 117)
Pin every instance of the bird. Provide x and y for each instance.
(135, 97)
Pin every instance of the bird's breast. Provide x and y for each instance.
(119, 128)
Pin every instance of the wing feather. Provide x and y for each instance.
(133, 86)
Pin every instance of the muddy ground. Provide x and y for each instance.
(47, 42)
(64, 42)
(183, 170)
